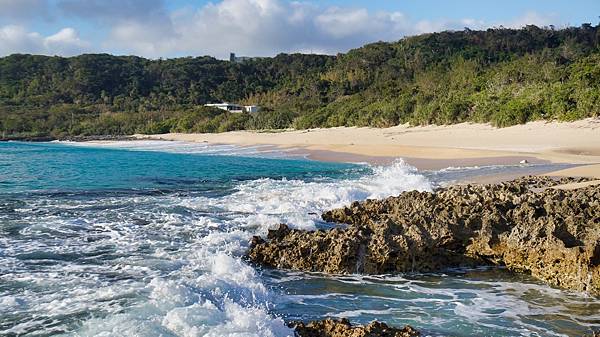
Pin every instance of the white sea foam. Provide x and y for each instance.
(171, 264)
(444, 305)
(265, 202)
(183, 147)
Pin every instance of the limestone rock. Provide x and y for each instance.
(552, 234)
(342, 328)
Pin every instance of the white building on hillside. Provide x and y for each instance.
(251, 108)
(235, 108)
(227, 106)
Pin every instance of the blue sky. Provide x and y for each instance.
(172, 28)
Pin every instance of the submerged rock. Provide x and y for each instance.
(552, 234)
(342, 328)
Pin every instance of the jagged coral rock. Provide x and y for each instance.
(522, 224)
(342, 328)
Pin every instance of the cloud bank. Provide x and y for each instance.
(16, 39)
(247, 27)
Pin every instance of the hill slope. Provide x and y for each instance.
(503, 76)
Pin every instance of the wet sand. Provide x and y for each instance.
(433, 147)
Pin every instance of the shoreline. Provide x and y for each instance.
(432, 147)
(419, 245)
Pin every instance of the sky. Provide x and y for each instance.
(176, 28)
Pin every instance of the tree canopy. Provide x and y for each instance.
(503, 76)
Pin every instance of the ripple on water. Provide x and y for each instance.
(480, 302)
(117, 260)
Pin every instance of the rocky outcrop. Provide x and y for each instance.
(552, 234)
(343, 328)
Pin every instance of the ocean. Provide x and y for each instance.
(148, 239)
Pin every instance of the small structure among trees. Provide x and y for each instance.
(235, 108)
(238, 59)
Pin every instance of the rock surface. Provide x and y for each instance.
(552, 234)
(343, 328)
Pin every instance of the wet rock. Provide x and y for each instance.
(343, 328)
(552, 234)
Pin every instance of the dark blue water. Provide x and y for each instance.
(116, 242)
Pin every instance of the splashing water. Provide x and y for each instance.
(102, 242)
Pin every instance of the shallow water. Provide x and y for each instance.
(108, 242)
(483, 302)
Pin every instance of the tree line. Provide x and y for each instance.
(503, 76)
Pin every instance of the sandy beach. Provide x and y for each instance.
(433, 147)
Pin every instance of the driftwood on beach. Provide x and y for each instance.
(524, 225)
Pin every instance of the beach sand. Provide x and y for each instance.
(433, 147)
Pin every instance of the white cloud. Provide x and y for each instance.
(142, 39)
(65, 42)
(16, 39)
(258, 27)
(247, 27)
(268, 27)
(345, 23)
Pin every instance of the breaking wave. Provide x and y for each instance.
(119, 264)
(110, 247)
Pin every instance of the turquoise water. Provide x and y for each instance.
(26, 167)
(148, 238)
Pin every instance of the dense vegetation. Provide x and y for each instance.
(502, 76)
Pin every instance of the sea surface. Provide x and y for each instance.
(148, 238)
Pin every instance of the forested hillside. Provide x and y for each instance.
(502, 76)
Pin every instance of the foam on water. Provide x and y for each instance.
(161, 264)
(216, 295)
(481, 302)
(183, 147)
(266, 202)
(453, 174)
(147, 263)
